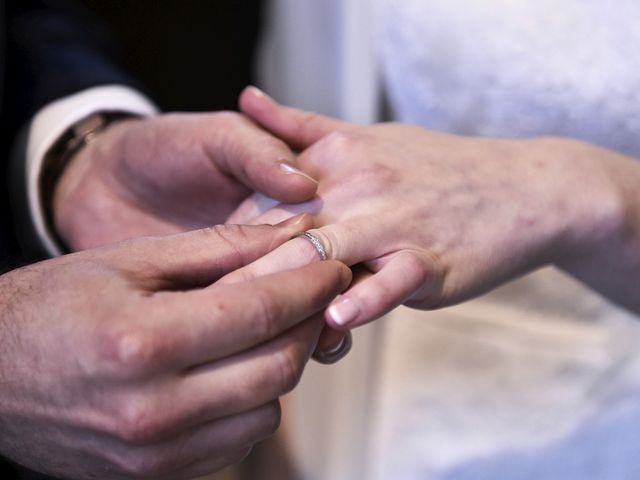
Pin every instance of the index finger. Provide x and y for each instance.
(198, 327)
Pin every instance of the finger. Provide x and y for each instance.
(333, 345)
(200, 257)
(251, 207)
(352, 242)
(339, 240)
(262, 162)
(244, 381)
(257, 310)
(212, 445)
(296, 253)
(225, 441)
(398, 275)
(398, 279)
(185, 330)
(297, 128)
(258, 209)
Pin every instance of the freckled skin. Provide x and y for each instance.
(439, 218)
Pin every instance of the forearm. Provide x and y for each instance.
(604, 247)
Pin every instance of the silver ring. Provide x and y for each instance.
(315, 241)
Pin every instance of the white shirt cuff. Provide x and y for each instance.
(52, 121)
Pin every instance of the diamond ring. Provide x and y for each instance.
(315, 241)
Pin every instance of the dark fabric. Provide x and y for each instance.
(54, 48)
(48, 49)
(9, 471)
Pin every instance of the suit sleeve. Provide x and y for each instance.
(61, 65)
(55, 49)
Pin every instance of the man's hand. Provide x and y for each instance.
(132, 361)
(169, 174)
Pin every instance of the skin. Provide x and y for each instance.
(169, 174)
(174, 173)
(436, 219)
(157, 370)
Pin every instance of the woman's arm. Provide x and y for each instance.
(606, 249)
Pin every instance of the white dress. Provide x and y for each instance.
(541, 378)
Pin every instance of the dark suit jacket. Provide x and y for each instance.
(48, 49)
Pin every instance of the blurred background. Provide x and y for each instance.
(180, 49)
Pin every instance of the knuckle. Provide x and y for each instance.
(376, 177)
(415, 268)
(289, 365)
(428, 302)
(139, 421)
(272, 418)
(342, 142)
(382, 175)
(230, 237)
(125, 351)
(266, 315)
(142, 465)
(434, 281)
(261, 424)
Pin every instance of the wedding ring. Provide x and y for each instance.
(315, 241)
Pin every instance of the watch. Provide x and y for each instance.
(60, 154)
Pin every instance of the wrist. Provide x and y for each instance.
(69, 160)
(597, 198)
(45, 129)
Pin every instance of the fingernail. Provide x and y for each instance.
(291, 221)
(289, 170)
(337, 353)
(343, 312)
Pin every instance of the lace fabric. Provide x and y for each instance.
(541, 378)
(515, 67)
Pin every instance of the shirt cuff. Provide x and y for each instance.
(51, 122)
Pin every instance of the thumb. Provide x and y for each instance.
(247, 153)
(299, 129)
(199, 258)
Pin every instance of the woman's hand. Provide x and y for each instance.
(438, 218)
